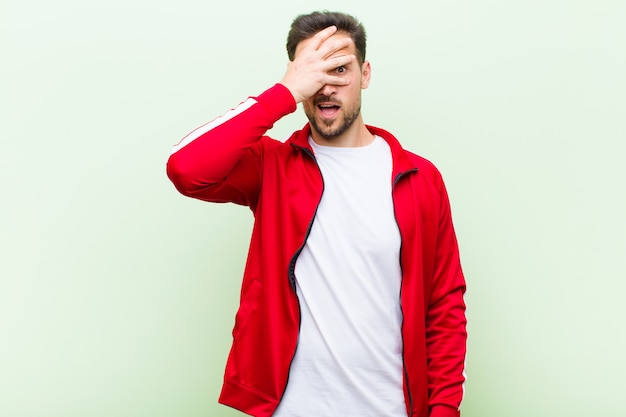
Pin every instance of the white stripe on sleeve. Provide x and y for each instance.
(195, 134)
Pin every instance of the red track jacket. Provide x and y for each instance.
(231, 160)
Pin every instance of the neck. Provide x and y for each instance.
(356, 136)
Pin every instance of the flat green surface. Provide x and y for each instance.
(117, 295)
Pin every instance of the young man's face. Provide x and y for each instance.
(333, 109)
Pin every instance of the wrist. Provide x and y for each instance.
(279, 100)
(297, 97)
(444, 411)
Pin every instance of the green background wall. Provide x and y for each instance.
(117, 295)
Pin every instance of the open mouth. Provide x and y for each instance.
(328, 110)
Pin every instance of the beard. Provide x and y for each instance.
(324, 127)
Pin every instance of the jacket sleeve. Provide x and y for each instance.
(446, 333)
(220, 161)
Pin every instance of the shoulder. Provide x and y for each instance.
(409, 160)
(424, 165)
(296, 142)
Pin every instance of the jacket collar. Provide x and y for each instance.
(401, 161)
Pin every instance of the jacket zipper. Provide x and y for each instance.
(404, 370)
(292, 264)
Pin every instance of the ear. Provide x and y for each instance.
(366, 73)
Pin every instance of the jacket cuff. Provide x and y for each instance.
(278, 101)
(444, 411)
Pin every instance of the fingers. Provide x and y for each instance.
(317, 64)
(325, 46)
(332, 46)
(338, 81)
(340, 60)
(337, 62)
(319, 38)
(333, 53)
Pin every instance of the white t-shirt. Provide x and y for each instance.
(348, 362)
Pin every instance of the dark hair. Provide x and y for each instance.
(307, 25)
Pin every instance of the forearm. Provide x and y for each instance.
(446, 350)
(206, 156)
(444, 411)
(446, 333)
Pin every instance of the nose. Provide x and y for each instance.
(328, 90)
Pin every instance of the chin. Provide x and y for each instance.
(331, 129)
(328, 129)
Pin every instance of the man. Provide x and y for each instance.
(352, 296)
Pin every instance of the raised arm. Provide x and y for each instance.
(220, 161)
